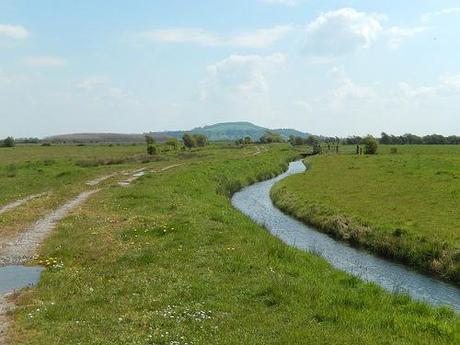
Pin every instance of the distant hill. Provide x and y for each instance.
(233, 131)
(96, 138)
(219, 131)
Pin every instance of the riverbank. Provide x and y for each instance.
(400, 206)
(170, 261)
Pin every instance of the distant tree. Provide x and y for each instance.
(150, 140)
(173, 143)
(370, 145)
(9, 142)
(317, 148)
(239, 141)
(271, 137)
(355, 140)
(152, 149)
(385, 139)
(189, 140)
(312, 140)
(201, 140)
(247, 140)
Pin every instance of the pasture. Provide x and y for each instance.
(167, 260)
(402, 205)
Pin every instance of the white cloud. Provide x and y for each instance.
(45, 61)
(346, 88)
(91, 83)
(447, 11)
(447, 86)
(342, 31)
(337, 33)
(13, 31)
(450, 84)
(240, 75)
(397, 35)
(261, 38)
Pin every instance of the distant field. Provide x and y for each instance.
(404, 205)
(168, 260)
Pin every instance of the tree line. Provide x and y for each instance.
(412, 139)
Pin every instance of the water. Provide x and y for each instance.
(17, 277)
(255, 202)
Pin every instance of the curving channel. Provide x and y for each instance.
(254, 201)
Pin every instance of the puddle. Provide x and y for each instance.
(17, 277)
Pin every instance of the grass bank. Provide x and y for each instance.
(169, 261)
(403, 206)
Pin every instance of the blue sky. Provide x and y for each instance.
(327, 67)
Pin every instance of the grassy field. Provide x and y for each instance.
(404, 205)
(169, 261)
(59, 171)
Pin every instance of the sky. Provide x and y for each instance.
(327, 67)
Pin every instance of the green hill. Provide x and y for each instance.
(218, 131)
(235, 130)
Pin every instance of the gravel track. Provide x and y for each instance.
(23, 247)
(17, 203)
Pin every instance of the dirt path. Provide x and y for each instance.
(168, 167)
(257, 151)
(98, 180)
(19, 202)
(24, 246)
(141, 172)
(135, 175)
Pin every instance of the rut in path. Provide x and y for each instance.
(22, 249)
(19, 202)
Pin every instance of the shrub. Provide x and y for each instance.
(189, 141)
(394, 150)
(271, 137)
(201, 140)
(9, 142)
(370, 145)
(247, 140)
(150, 140)
(173, 143)
(152, 150)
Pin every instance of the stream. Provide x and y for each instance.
(254, 201)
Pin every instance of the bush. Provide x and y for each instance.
(173, 143)
(271, 137)
(152, 150)
(201, 140)
(370, 145)
(9, 142)
(189, 141)
(394, 150)
(150, 140)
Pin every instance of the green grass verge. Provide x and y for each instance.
(169, 261)
(403, 206)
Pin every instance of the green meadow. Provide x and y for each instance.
(168, 260)
(402, 203)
